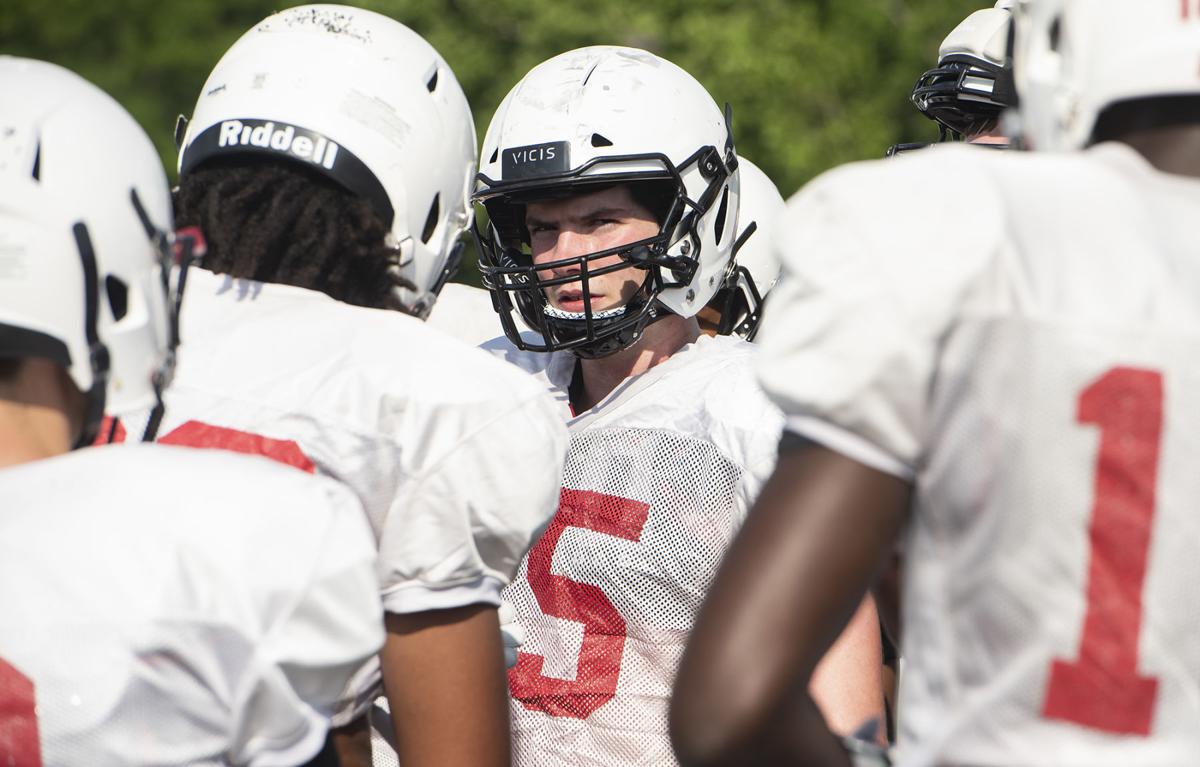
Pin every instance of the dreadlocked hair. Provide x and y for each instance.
(276, 221)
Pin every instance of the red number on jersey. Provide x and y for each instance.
(1102, 689)
(19, 743)
(599, 664)
(197, 434)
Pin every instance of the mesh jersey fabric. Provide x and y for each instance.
(146, 623)
(658, 478)
(1034, 370)
(455, 457)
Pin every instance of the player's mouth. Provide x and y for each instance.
(571, 300)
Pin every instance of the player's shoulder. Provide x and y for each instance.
(216, 476)
(729, 392)
(182, 493)
(466, 313)
(706, 389)
(472, 373)
(552, 370)
(944, 189)
(347, 357)
(955, 187)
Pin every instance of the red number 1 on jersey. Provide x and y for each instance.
(1102, 689)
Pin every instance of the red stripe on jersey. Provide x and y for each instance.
(203, 435)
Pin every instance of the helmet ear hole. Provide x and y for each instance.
(118, 296)
(431, 221)
(600, 141)
(719, 224)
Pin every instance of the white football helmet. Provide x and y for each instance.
(756, 269)
(600, 116)
(971, 85)
(85, 214)
(1074, 58)
(367, 102)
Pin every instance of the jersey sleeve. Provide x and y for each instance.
(459, 527)
(878, 259)
(305, 664)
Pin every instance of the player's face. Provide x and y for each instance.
(586, 223)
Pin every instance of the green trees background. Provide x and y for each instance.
(813, 83)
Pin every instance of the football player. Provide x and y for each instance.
(160, 607)
(328, 162)
(1024, 404)
(611, 186)
(971, 86)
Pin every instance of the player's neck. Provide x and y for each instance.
(661, 340)
(1164, 130)
(1171, 149)
(34, 420)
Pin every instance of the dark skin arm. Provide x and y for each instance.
(352, 744)
(443, 671)
(798, 570)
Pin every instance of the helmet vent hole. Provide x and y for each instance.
(118, 296)
(1056, 33)
(495, 154)
(431, 220)
(719, 224)
(432, 84)
(37, 162)
(599, 141)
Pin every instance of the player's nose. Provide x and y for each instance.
(569, 247)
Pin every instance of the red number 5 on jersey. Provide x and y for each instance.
(599, 664)
(1103, 689)
(19, 744)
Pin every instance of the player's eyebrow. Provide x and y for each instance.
(611, 211)
(532, 221)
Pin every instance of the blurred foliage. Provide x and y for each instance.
(813, 83)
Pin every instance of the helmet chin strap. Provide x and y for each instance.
(98, 357)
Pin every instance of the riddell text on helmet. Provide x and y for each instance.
(300, 143)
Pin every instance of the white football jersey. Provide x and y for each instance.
(466, 313)
(145, 623)
(1018, 335)
(659, 476)
(455, 457)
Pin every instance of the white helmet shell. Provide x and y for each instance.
(763, 204)
(755, 267)
(1075, 58)
(85, 214)
(983, 35)
(364, 100)
(607, 114)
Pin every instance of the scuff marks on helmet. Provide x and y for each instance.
(322, 18)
